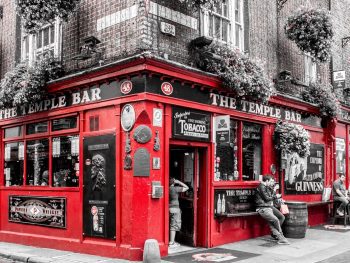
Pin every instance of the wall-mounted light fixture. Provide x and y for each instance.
(88, 48)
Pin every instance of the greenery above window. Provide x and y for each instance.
(323, 96)
(312, 31)
(240, 74)
(290, 137)
(36, 13)
(199, 3)
(25, 85)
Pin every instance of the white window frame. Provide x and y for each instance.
(231, 38)
(310, 69)
(30, 55)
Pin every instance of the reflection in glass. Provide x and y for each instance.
(251, 151)
(13, 165)
(64, 123)
(37, 162)
(38, 127)
(13, 132)
(65, 161)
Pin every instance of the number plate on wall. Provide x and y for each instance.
(167, 28)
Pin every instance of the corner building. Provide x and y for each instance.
(88, 168)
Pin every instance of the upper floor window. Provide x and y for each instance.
(45, 42)
(310, 69)
(224, 22)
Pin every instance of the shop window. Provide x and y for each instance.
(251, 159)
(227, 156)
(13, 132)
(38, 162)
(64, 123)
(13, 165)
(225, 22)
(65, 161)
(38, 127)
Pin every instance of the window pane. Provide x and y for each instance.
(238, 11)
(211, 18)
(226, 163)
(65, 161)
(38, 127)
(13, 132)
(39, 40)
(251, 151)
(64, 123)
(225, 8)
(26, 44)
(238, 36)
(218, 7)
(225, 26)
(217, 26)
(13, 165)
(46, 36)
(52, 34)
(38, 162)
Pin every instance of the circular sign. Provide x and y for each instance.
(126, 87)
(142, 134)
(167, 88)
(128, 117)
(94, 210)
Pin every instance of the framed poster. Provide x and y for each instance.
(340, 155)
(234, 201)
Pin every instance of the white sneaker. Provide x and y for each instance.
(173, 245)
(340, 213)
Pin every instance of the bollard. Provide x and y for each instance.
(151, 253)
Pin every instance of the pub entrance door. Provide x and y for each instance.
(187, 165)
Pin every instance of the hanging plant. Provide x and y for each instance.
(290, 137)
(312, 31)
(36, 13)
(324, 97)
(241, 75)
(26, 85)
(201, 3)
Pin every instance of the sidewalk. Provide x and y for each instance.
(319, 245)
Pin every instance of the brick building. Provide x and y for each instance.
(111, 133)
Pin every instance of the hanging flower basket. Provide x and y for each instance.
(324, 97)
(290, 137)
(312, 31)
(239, 74)
(27, 85)
(36, 13)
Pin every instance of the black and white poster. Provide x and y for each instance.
(340, 155)
(191, 125)
(99, 186)
(305, 175)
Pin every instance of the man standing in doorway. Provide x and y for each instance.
(339, 194)
(264, 199)
(174, 209)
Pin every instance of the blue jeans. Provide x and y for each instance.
(344, 202)
(274, 218)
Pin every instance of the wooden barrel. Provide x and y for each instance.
(296, 221)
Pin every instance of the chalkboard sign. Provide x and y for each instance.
(234, 201)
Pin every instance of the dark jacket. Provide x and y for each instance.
(264, 197)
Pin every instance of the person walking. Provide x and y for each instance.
(175, 188)
(264, 201)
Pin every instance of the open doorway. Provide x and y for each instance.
(187, 165)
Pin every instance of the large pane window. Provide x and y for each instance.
(38, 162)
(38, 127)
(13, 132)
(65, 161)
(13, 165)
(64, 123)
(251, 152)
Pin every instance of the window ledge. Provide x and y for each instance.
(40, 189)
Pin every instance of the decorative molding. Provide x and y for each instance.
(344, 41)
(280, 4)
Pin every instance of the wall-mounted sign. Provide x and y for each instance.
(305, 175)
(222, 129)
(126, 87)
(128, 117)
(167, 28)
(340, 155)
(339, 79)
(142, 162)
(35, 210)
(234, 201)
(142, 134)
(167, 88)
(157, 117)
(191, 125)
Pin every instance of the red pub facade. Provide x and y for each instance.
(88, 168)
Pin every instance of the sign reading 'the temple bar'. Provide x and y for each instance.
(44, 211)
(191, 125)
